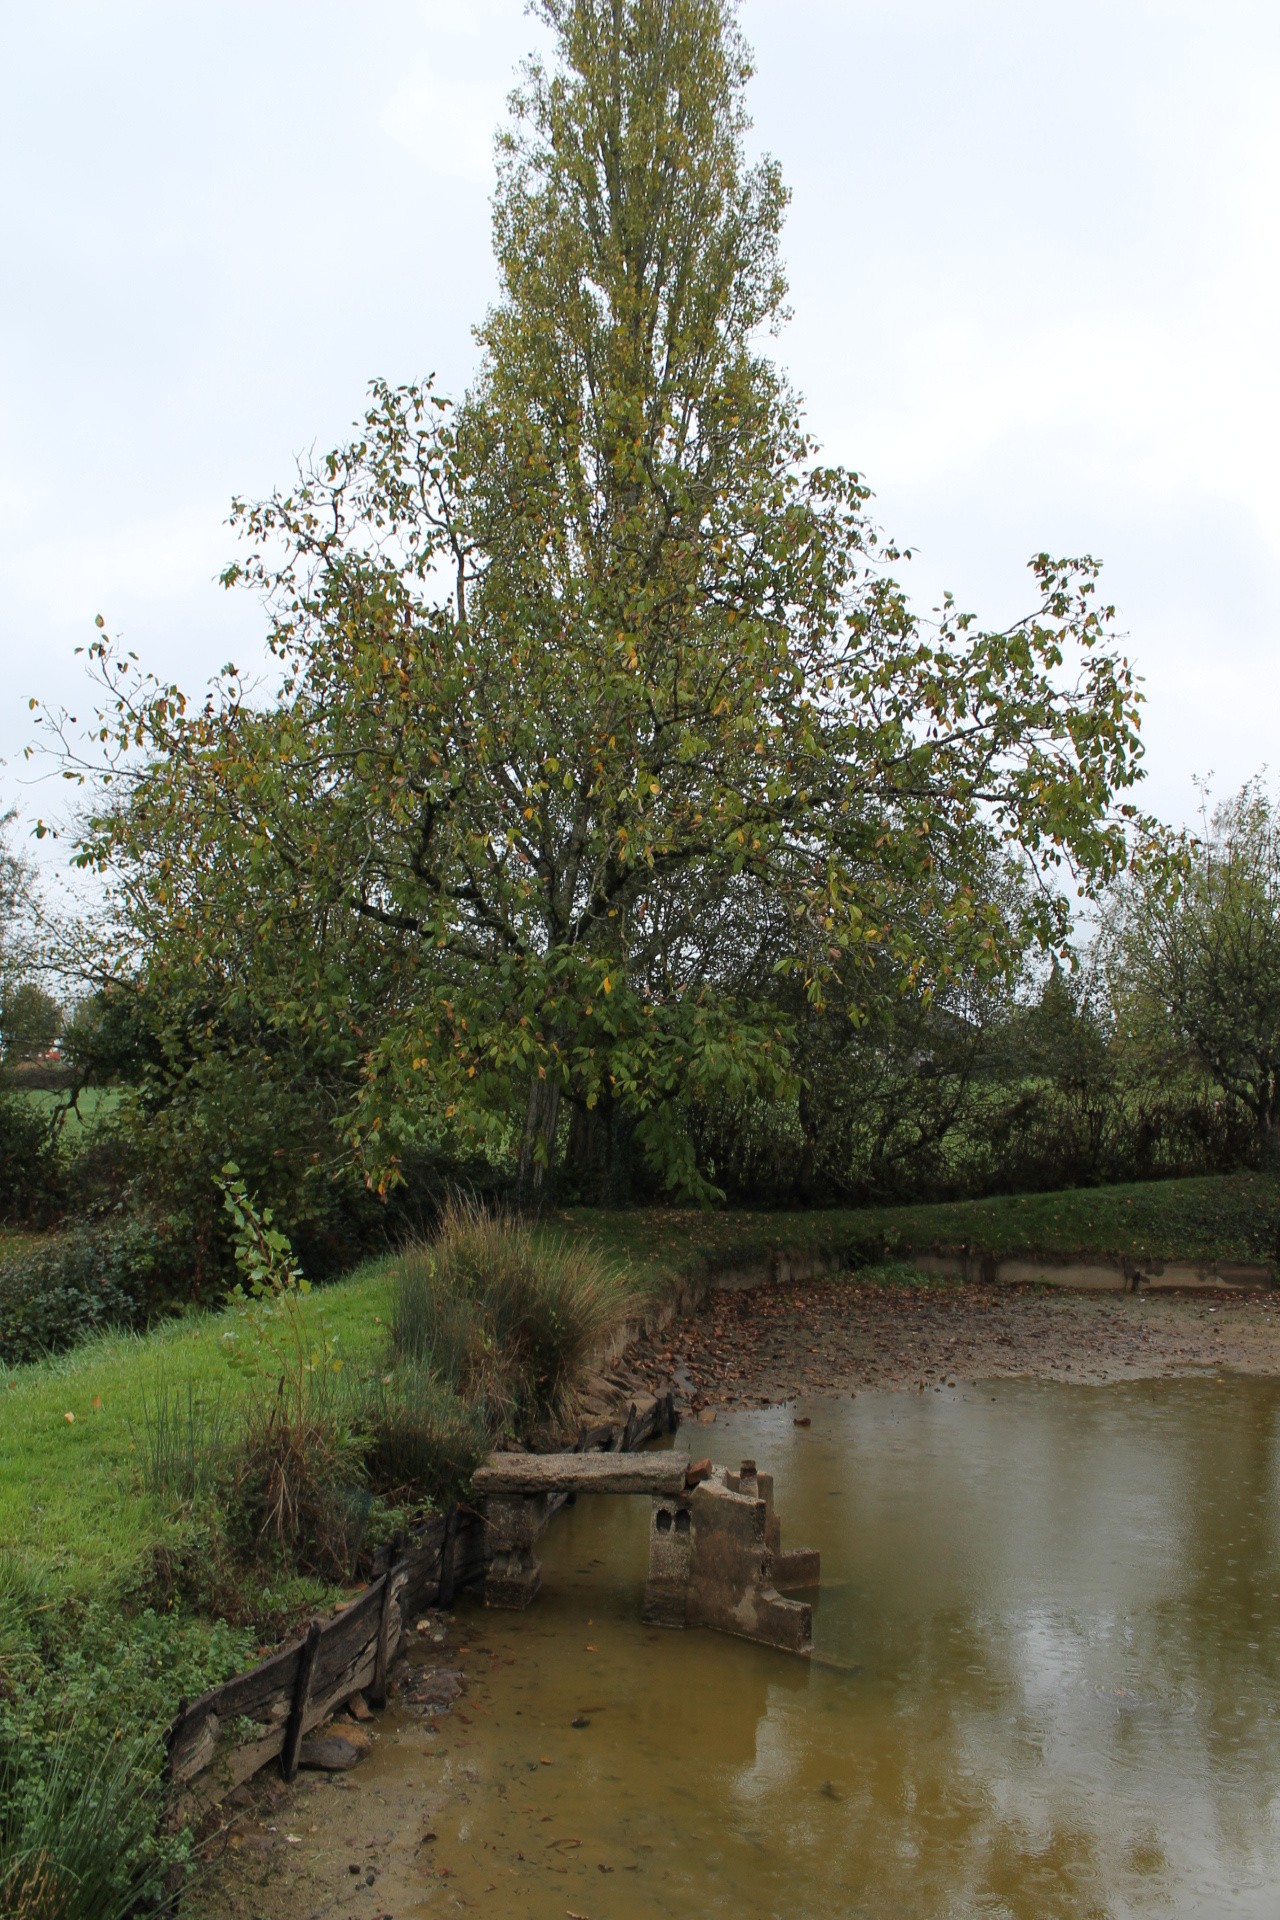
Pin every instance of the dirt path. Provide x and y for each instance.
(781, 1342)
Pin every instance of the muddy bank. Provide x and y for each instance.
(785, 1342)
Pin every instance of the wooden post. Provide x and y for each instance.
(378, 1685)
(444, 1586)
(301, 1701)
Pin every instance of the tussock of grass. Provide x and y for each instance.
(505, 1316)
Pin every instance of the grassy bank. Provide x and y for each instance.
(1229, 1218)
(71, 1496)
(72, 1501)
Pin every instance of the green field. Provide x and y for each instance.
(93, 1103)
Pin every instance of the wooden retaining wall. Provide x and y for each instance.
(228, 1734)
(209, 1747)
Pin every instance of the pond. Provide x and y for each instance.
(1058, 1609)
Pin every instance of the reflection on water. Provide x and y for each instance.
(1062, 1605)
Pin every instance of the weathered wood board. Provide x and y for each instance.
(534, 1473)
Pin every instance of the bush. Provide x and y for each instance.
(506, 1318)
(421, 1441)
(85, 1691)
(76, 1837)
(79, 1284)
(32, 1178)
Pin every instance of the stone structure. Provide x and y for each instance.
(716, 1560)
(715, 1547)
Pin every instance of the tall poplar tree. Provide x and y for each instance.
(599, 701)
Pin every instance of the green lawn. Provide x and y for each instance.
(72, 1505)
(93, 1102)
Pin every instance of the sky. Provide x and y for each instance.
(1034, 260)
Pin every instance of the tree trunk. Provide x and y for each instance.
(538, 1148)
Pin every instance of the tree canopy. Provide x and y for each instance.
(600, 709)
(1194, 945)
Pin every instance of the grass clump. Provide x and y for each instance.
(182, 1438)
(77, 1841)
(505, 1317)
(419, 1436)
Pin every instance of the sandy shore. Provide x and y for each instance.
(789, 1341)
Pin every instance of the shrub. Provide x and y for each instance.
(76, 1838)
(85, 1690)
(421, 1441)
(293, 1490)
(32, 1177)
(293, 1484)
(79, 1284)
(505, 1317)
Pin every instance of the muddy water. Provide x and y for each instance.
(1060, 1611)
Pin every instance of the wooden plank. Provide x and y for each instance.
(378, 1689)
(346, 1635)
(301, 1701)
(532, 1473)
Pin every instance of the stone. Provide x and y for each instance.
(358, 1707)
(530, 1474)
(332, 1754)
(438, 1688)
(715, 1560)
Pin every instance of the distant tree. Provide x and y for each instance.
(1195, 952)
(30, 1021)
(15, 900)
(531, 840)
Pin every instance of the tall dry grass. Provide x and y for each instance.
(506, 1317)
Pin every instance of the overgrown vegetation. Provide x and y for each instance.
(209, 1484)
(507, 1317)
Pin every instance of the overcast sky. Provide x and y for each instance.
(1033, 252)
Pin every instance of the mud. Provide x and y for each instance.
(781, 1343)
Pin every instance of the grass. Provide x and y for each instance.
(1227, 1218)
(14, 1241)
(71, 1492)
(93, 1104)
(1231, 1218)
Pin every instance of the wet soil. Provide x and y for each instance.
(785, 1342)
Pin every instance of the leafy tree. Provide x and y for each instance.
(1194, 945)
(531, 837)
(15, 900)
(30, 1021)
